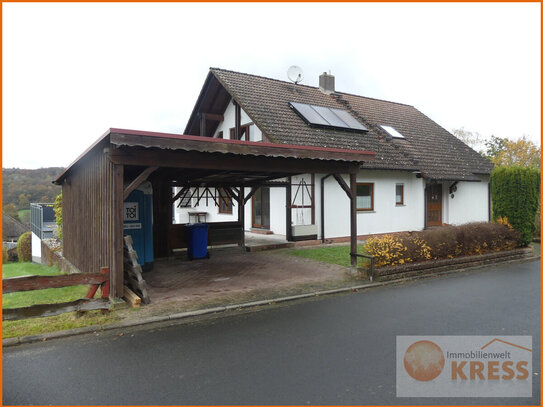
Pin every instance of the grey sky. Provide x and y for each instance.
(71, 71)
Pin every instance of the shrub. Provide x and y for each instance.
(441, 243)
(4, 255)
(24, 247)
(57, 207)
(537, 222)
(515, 195)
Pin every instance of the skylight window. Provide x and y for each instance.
(392, 131)
(327, 117)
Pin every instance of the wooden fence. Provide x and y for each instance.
(96, 280)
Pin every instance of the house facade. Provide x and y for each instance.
(422, 176)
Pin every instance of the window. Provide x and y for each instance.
(392, 131)
(399, 194)
(220, 134)
(364, 197)
(243, 133)
(225, 202)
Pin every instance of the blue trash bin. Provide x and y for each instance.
(197, 240)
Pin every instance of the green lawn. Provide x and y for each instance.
(24, 215)
(332, 254)
(48, 296)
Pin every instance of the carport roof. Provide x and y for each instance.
(145, 141)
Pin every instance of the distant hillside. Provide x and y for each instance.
(20, 186)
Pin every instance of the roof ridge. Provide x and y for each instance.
(307, 86)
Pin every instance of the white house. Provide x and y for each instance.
(422, 175)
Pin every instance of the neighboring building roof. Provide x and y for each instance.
(12, 228)
(426, 146)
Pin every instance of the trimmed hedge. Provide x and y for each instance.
(4, 255)
(445, 242)
(515, 196)
(24, 247)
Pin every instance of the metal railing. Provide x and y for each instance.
(42, 216)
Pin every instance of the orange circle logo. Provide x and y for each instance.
(424, 361)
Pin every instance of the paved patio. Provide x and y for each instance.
(231, 272)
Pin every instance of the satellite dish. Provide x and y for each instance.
(295, 74)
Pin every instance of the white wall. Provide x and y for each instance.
(36, 248)
(470, 202)
(386, 215)
(255, 134)
(213, 215)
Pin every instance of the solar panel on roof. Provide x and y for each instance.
(349, 120)
(327, 117)
(392, 131)
(309, 114)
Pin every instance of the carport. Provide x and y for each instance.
(95, 185)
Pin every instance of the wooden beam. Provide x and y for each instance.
(11, 285)
(48, 310)
(138, 180)
(344, 186)
(250, 194)
(213, 117)
(233, 193)
(288, 199)
(131, 297)
(117, 271)
(237, 126)
(241, 215)
(354, 245)
(202, 125)
(179, 194)
(199, 160)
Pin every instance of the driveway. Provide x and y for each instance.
(229, 272)
(331, 350)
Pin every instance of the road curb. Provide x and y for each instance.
(183, 315)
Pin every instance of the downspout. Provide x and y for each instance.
(489, 202)
(322, 206)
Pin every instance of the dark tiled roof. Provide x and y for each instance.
(427, 146)
(12, 228)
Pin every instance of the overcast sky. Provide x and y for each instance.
(71, 71)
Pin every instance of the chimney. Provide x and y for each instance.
(327, 83)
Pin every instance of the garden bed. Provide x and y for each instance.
(435, 266)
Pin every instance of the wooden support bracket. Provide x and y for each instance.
(343, 185)
(138, 180)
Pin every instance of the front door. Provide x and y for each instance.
(261, 208)
(434, 205)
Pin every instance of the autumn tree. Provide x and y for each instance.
(471, 138)
(521, 152)
(11, 209)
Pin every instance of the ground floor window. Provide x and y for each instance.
(364, 196)
(225, 202)
(399, 194)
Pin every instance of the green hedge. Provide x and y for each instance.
(24, 247)
(515, 196)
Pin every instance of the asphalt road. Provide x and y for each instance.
(331, 350)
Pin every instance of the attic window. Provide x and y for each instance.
(327, 117)
(392, 131)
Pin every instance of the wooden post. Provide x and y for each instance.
(202, 125)
(117, 275)
(353, 220)
(288, 202)
(241, 214)
(237, 128)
